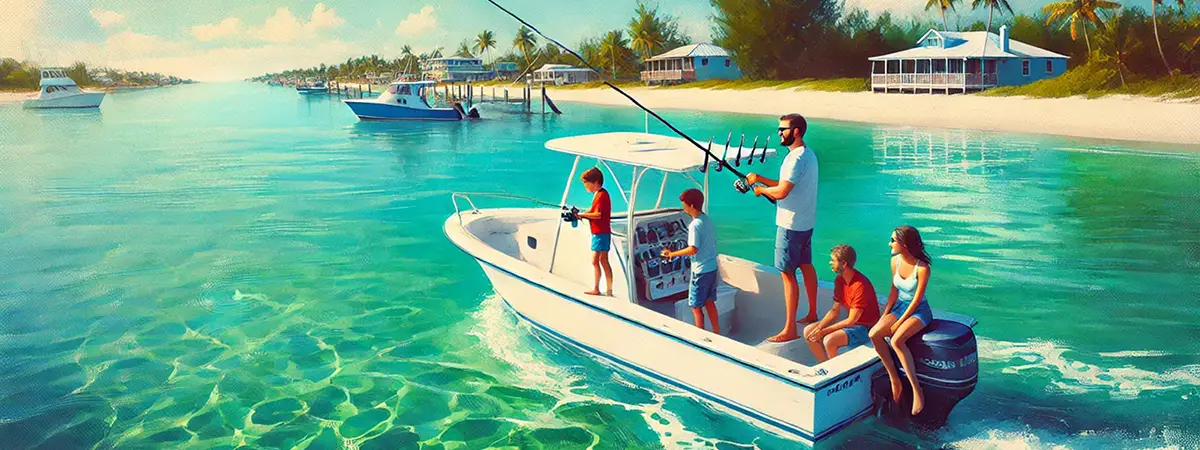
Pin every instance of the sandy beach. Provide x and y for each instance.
(1118, 117)
(14, 97)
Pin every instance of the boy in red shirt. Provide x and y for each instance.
(600, 218)
(853, 290)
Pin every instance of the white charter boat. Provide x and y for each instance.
(57, 90)
(541, 267)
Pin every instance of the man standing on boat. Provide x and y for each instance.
(795, 194)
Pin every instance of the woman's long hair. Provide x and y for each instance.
(910, 239)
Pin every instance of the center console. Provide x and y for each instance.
(658, 278)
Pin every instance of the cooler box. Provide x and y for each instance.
(725, 308)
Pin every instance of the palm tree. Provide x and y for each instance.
(464, 50)
(942, 6)
(1120, 37)
(1079, 13)
(991, 5)
(525, 41)
(486, 40)
(615, 48)
(1154, 17)
(645, 34)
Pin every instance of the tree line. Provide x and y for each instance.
(821, 39)
(619, 51)
(26, 75)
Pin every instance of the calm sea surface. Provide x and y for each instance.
(234, 265)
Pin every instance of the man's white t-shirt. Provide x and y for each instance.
(798, 211)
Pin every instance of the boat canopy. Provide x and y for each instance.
(53, 76)
(422, 83)
(665, 153)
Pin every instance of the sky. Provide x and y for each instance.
(218, 40)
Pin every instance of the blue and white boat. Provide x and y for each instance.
(406, 100)
(540, 267)
(312, 86)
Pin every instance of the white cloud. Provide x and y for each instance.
(230, 26)
(324, 18)
(417, 23)
(107, 19)
(283, 26)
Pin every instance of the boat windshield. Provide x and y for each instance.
(405, 90)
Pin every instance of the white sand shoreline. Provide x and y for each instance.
(14, 97)
(1112, 118)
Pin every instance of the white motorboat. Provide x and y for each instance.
(407, 100)
(57, 90)
(540, 266)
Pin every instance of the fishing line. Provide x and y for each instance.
(721, 161)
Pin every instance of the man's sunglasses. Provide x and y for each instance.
(782, 129)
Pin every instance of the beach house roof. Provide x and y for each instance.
(969, 44)
(703, 50)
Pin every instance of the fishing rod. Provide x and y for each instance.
(741, 185)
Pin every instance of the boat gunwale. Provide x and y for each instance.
(772, 368)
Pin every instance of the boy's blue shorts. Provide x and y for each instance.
(601, 242)
(702, 288)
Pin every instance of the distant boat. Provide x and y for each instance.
(406, 100)
(57, 90)
(312, 86)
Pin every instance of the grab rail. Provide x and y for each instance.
(474, 210)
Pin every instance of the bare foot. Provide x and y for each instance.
(592, 292)
(608, 292)
(897, 390)
(783, 337)
(918, 403)
(807, 320)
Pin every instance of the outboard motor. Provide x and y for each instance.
(947, 363)
(474, 114)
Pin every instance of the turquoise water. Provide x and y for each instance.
(215, 266)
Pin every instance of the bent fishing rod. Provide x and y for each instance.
(740, 186)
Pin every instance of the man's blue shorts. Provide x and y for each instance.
(856, 335)
(601, 242)
(792, 248)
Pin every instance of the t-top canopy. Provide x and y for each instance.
(666, 153)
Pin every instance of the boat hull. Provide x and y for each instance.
(82, 100)
(775, 404)
(370, 110)
(311, 91)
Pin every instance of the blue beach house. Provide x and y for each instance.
(696, 62)
(949, 62)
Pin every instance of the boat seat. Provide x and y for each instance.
(796, 349)
(725, 310)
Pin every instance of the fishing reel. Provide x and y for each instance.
(741, 186)
(570, 215)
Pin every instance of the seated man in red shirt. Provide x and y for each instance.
(853, 290)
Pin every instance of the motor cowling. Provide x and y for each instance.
(946, 357)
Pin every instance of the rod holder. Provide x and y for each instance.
(704, 168)
(725, 154)
(750, 160)
(737, 162)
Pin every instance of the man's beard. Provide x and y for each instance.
(787, 141)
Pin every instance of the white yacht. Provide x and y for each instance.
(57, 90)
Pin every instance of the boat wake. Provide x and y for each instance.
(509, 339)
(1072, 376)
